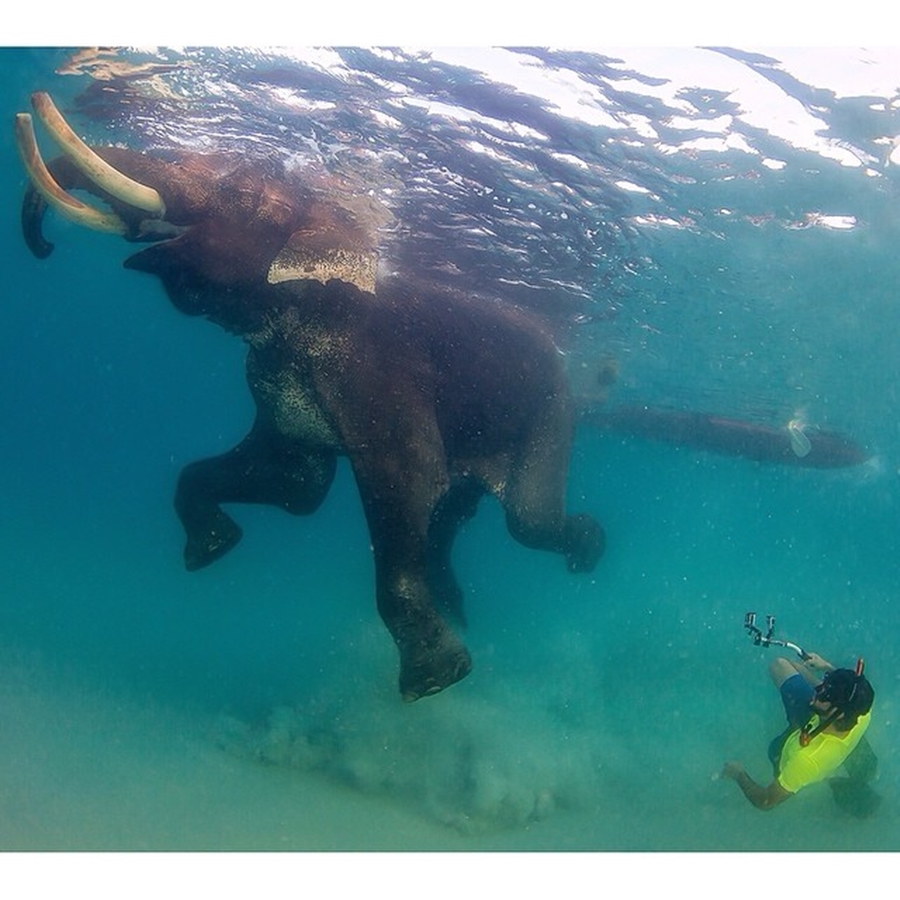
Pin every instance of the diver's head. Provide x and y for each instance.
(848, 693)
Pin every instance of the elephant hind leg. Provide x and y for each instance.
(534, 499)
(256, 471)
(455, 508)
(580, 539)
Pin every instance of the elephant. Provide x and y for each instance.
(436, 398)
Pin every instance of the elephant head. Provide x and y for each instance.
(221, 227)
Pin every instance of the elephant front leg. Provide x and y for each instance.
(209, 531)
(261, 469)
(387, 423)
(432, 657)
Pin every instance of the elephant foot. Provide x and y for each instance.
(219, 535)
(585, 543)
(428, 665)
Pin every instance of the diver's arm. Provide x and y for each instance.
(761, 797)
(812, 668)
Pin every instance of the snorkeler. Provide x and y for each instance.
(827, 718)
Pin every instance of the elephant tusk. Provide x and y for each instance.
(46, 185)
(96, 169)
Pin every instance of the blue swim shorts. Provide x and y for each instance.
(796, 695)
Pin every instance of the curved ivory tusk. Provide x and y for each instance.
(46, 185)
(98, 170)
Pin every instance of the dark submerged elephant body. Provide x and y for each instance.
(434, 404)
(435, 399)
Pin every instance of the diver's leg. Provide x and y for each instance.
(796, 691)
(780, 669)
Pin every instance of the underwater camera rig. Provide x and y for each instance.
(766, 639)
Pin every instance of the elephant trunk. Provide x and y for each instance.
(33, 208)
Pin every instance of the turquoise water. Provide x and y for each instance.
(253, 705)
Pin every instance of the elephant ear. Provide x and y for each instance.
(322, 256)
(214, 271)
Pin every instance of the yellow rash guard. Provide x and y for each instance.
(799, 766)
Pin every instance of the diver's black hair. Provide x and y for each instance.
(848, 692)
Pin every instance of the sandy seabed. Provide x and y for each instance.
(88, 769)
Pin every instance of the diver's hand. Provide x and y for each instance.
(761, 797)
(814, 661)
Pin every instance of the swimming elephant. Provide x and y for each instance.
(436, 399)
